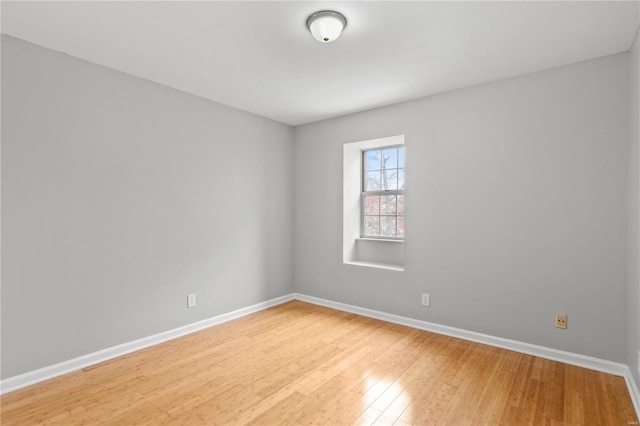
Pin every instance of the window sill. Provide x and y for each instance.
(386, 266)
(381, 240)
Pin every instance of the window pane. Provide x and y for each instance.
(372, 160)
(388, 226)
(390, 181)
(390, 158)
(387, 204)
(372, 205)
(383, 171)
(372, 226)
(400, 205)
(372, 181)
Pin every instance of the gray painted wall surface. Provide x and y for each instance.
(117, 203)
(516, 208)
(120, 197)
(633, 275)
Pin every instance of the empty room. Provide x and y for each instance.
(307, 212)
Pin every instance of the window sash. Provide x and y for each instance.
(381, 192)
(363, 216)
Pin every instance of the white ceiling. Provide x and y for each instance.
(260, 57)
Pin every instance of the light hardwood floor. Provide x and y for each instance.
(303, 364)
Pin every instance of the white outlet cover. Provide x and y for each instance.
(425, 299)
(191, 300)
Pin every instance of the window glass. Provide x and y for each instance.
(383, 193)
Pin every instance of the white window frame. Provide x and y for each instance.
(379, 253)
(396, 192)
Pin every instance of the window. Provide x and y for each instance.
(373, 192)
(382, 203)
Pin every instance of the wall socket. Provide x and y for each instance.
(426, 300)
(561, 320)
(191, 301)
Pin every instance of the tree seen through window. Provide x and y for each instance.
(383, 193)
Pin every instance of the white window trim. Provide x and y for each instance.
(364, 192)
(352, 206)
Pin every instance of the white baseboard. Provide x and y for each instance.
(42, 374)
(633, 391)
(589, 362)
(49, 372)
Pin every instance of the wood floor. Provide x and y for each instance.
(302, 364)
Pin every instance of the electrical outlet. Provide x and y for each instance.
(425, 299)
(191, 301)
(561, 320)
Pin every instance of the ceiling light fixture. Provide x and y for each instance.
(326, 25)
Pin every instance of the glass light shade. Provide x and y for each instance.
(326, 26)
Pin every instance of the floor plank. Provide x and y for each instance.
(301, 364)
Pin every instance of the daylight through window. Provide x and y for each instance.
(383, 193)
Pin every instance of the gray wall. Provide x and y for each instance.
(120, 197)
(516, 208)
(633, 276)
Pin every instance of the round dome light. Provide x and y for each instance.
(326, 25)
